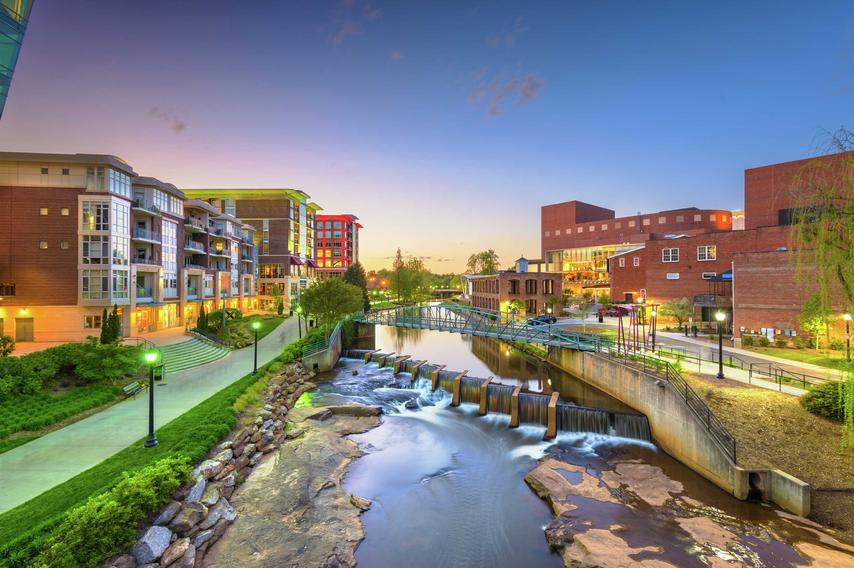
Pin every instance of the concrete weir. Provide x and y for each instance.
(679, 431)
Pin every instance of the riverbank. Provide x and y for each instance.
(774, 431)
(293, 510)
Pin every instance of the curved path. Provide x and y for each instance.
(33, 468)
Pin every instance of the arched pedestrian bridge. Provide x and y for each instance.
(485, 323)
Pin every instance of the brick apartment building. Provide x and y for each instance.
(532, 287)
(284, 235)
(337, 243)
(578, 238)
(82, 232)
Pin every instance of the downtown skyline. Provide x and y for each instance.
(444, 130)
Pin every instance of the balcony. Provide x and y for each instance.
(194, 225)
(151, 260)
(191, 266)
(139, 206)
(220, 253)
(220, 266)
(146, 235)
(143, 294)
(194, 247)
(247, 258)
(192, 292)
(247, 241)
(713, 301)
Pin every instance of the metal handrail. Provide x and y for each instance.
(323, 344)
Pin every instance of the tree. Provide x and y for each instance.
(330, 300)
(679, 309)
(202, 322)
(516, 307)
(115, 325)
(355, 275)
(484, 262)
(7, 345)
(605, 300)
(278, 300)
(105, 327)
(814, 317)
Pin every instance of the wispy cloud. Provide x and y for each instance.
(508, 38)
(495, 92)
(168, 117)
(351, 17)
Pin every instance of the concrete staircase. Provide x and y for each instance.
(191, 353)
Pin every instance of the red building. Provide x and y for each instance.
(337, 243)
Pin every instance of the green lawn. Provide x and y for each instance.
(12, 443)
(829, 359)
(34, 412)
(239, 333)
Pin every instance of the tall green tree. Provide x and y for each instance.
(484, 262)
(355, 275)
(330, 300)
(679, 309)
(814, 317)
(105, 327)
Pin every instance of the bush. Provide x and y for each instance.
(799, 343)
(747, 341)
(106, 524)
(7, 345)
(781, 343)
(837, 345)
(764, 342)
(824, 400)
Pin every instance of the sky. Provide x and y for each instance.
(444, 126)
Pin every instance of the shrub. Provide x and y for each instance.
(781, 343)
(824, 400)
(106, 524)
(7, 345)
(837, 345)
(747, 341)
(764, 342)
(799, 343)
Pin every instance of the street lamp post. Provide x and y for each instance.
(151, 359)
(653, 320)
(721, 317)
(256, 325)
(847, 318)
(298, 310)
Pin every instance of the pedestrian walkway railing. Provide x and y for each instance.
(323, 344)
(508, 327)
(140, 342)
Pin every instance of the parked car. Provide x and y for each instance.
(614, 311)
(542, 319)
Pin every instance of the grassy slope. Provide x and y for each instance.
(37, 411)
(774, 430)
(830, 359)
(24, 528)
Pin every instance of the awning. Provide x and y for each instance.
(296, 260)
(310, 263)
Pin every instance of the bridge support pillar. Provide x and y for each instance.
(458, 385)
(397, 363)
(484, 392)
(370, 354)
(514, 407)
(435, 376)
(551, 429)
(383, 358)
(415, 368)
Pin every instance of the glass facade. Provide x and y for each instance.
(584, 267)
(14, 15)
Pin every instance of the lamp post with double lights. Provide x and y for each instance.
(151, 358)
(721, 317)
(256, 325)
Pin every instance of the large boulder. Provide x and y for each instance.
(189, 516)
(359, 410)
(210, 468)
(152, 545)
(222, 510)
(168, 513)
(212, 494)
(175, 551)
(197, 490)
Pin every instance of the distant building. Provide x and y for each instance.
(337, 239)
(533, 288)
(284, 222)
(14, 17)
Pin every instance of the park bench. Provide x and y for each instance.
(131, 389)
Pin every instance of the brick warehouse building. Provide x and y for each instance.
(759, 285)
(578, 238)
(526, 283)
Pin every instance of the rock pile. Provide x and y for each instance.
(182, 532)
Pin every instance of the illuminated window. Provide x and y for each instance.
(645, 222)
(64, 211)
(591, 228)
(680, 218)
(698, 218)
(604, 226)
(631, 223)
(707, 252)
(662, 220)
(43, 211)
(42, 245)
(712, 217)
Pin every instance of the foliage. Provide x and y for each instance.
(107, 523)
(214, 320)
(605, 300)
(355, 275)
(33, 412)
(105, 329)
(837, 345)
(238, 333)
(202, 322)
(823, 225)
(330, 300)
(75, 362)
(680, 309)
(348, 332)
(7, 345)
(781, 343)
(764, 341)
(516, 306)
(825, 400)
(483, 262)
(799, 343)
(814, 317)
(747, 341)
(111, 327)
(409, 280)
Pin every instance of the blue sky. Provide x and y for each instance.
(443, 125)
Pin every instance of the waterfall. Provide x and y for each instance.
(498, 398)
(470, 390)
(534, 408)
(446, 380)
(632, 426)
(572, 418)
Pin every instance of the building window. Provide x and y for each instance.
(92, 322)
(646, 222)
(63, 245)
(557, 232)
(712, 217)
(43, 245)
(707, 252)
(618, 225)
(548, 287)
(64, 212)
(580, 230)
(662, 220)
(7, 289)
(680, 218)
(698, 218)
(672, 276)
(121, 250)
(548, 233)
(631, 223)
(95, 179)
(121, 284)
(120, 183)
(670, 255)
(43, 211)
(96, 216)
(96, 284)
(621, 262)
(636, 261)
(95, 249)
(44, 171)
(709, 275)
(591, 228)
(65, 171)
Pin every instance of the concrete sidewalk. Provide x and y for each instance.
(29, 470)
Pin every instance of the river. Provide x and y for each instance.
(448, 486)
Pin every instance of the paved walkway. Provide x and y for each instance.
(31, 469)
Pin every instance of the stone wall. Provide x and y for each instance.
(180, 535)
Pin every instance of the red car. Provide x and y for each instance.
(614, 311)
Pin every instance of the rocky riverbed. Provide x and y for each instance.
(293, 510)
(635, 515)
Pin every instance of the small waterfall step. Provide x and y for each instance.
(191, 353)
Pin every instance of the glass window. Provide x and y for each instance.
(44, 171)
(621, 262)
(65, 171)
(96, 216)
(91, 322)
(631, 223)
(120, 183)
(646, 222)
(64, 212)
(707, 252)
(42, 245)
(63, 245)
(698, 218)
(121, 250)
(636, 261)
(662, 220)
(121, 280)
(94, 249)
(670, 255)
(680, 218)
(121, 218)
(95, 180)
(604, 226)
(161, 200)
(95, 284)
(712, 217)
(43, 211)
